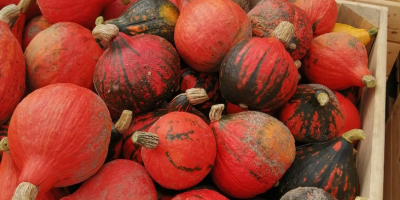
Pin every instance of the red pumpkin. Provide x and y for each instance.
(80, 12)
(118, 179)
(266, 16)
(12, 70)
(244, 4)
(350, 112)
(313, 114)
(353, 94)
(258, 73)
(250, 158)
(115, 9)
(61, 150)
(34, 27)
(66, 52)
(9, 174)
(322, 66)
(200, 194)
(232, 108)
(200, 37)
(323, 14)
(178, 145)
(135, 73)
(143, 122)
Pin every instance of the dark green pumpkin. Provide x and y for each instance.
(307, 193)
(157, 17)
(327, 165)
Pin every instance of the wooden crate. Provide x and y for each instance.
(370, 159)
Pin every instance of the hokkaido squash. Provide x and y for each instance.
(350, 112)
(244, 4)
(81, 12)
(118, 179)
(200, 194)
(201, 38)
(258, 73)
(115, 9)
(157, 17)
(12, 70)
(327, 165)
(313, 114)
(142, 122)
(322, 66)
(65, 52)
(250, 158)
(361, 34)
(177, 146)
(61, 150)
(135, 73)
(34, 27)
(307, 193)
(353, 94)
(323, 14)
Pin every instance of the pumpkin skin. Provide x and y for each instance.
(246, 141)
(200, 194)
(259, 74)
(71, 48)
(323, 14)
(118, 179)
(318, 123)
(186, 149)
(80, 118)
(115, 9)
(244, 4)
(191, 78)
(353, 94)
(327, 165)
(137, 73)
(350, 112)
(201, 40)
(12, 70)
(35, 26)
(307, 193)
(320, 66)
(157, 17)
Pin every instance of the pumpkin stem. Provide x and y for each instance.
(369, 81)
(216, 112)
(284, 32)
(4, 145)
(292, 46)
(124, 121)
(354, 135)
(23, 5)
(126, 2)
(105, 32)
(297, 63)
(196, 95)
(146, 139)
(99, 20)
(8, 13)
(361, 198)
(373, 31)
(25, 191)
(322, 98)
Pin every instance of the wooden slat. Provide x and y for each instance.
(393, 50)
(394, 138)
(388, 186)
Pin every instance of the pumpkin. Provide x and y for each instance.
(361, 34)
(320, 66)
(307, 193)
(191, 78)
(201, 35)
(118, 179)
(353, 94)
(34, 27)
(142, 122)
(244, 4)
(33, 9)
(12, 70)
(81, 12)
(3, 133)
(258, 73)
(61, 150)
(157, 17)
(200, 194)
(266, 16)
(115, 9)
(9, 174)
(313, 114)
(135, 73)
(323, 14)
(177, 146)
(350, 112)
(327, 165)
(65, 52)
(250, 158)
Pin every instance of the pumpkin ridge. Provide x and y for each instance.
(253, 76)
(183, 168)
(123, 43)
(242, 44)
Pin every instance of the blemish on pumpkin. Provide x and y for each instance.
(315, 61)
(136, 17)
(186, 169)
(179, 136)
(256, 176)
(198, 196)
(353, 43)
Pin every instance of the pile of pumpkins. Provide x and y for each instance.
(179, 99)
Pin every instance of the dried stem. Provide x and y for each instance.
(23, 5)
(196, 95)
(146, 139)
(105, 32)
(4, 147)
(354, 135)
(284, 32)
(25, 191)
(297, 63)
(322, 98)
(9, 13)
(124, 121)
(369, 81)
(216, 112)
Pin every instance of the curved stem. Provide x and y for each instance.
(105, 32)
(145, 139)
(322, 97)
(4, 147)
(354, 135)
(124, 121)
(196, 95)
(369, 81)
(25, 191)
(216, 112)
(23, 5)
(9, 13)
(284, 32)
